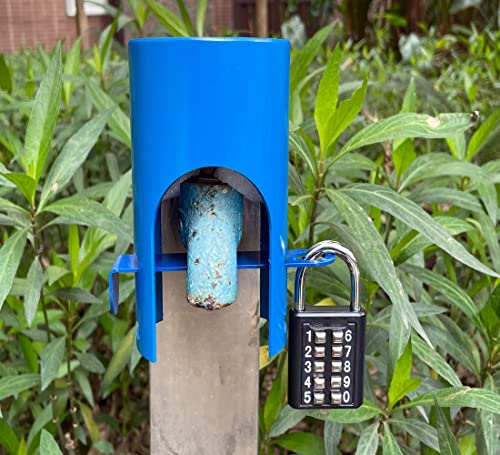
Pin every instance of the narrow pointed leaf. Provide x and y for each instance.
(167, 18)
(120, 358)
(447, 442)
(48, 445)
(303, 58)
(368, 440)
(484, 134)
(51, 359)
(450, 291)
(390, 446)
(345, 114)
(463, 397)
(43, 118)
(431, 358)
(119, 121)
(83, 211)
(35, 279)
(73, 155)
(71, 68)
(381, 268)
(288, 418)
(12, 385)
(407, 125)
(327, 96)
(200, 16)
(10, 256)
(417, 218)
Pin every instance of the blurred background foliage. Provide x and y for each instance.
(394, 116)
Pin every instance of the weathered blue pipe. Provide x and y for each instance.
(211, 217)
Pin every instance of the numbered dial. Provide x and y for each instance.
(329, 372)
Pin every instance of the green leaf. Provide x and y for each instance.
(104, 446)
(73, 249)
(29, 352)
(35, 278)
(488, 194)
(71, 68)
(51, 359)
(79, 295)
(84, 211)
(413, 243)
(48, 445)
(443, 195)
(200, 16)
(418, 429)
(12, 385)
(491, 238)
(366, 411)
(301, 443)
(390, 446)
(431, 358)
(288, 418)
(83, 381)
(9, 206)
(332, 432)
(185, 17)
(8, 438)
(402, 156)
(300, 143)
(302, 59)
(483, 134)
(106, 40)
(120, 358)
(455, 342)
(407, 125)
(25, 184)
(167, 18)
(90, 423)
(488, 426)
(465, 397)
(450, 291)
(73, 155)
(119, 121)
(90, 362)
(10, 257)
(447, 442)
(402, 383)
(344, 115)
(417, 218)
(42, 419)
(5, 75)
(438, 165)
(274, 402)
(410, 98)
(456, 144)
(368, 440)
(43, 118)
(379, 263)
(327, 96)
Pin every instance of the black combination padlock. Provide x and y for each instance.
(326, 344)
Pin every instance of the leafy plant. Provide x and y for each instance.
(395, 194)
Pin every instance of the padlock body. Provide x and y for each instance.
(326, 358)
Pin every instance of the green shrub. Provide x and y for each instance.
(413, 193)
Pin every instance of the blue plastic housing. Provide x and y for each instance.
(199, 103)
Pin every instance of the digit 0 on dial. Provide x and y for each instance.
(326, 344)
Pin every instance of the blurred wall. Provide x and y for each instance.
(26, 23)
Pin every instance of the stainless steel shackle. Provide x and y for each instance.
(329, 247)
